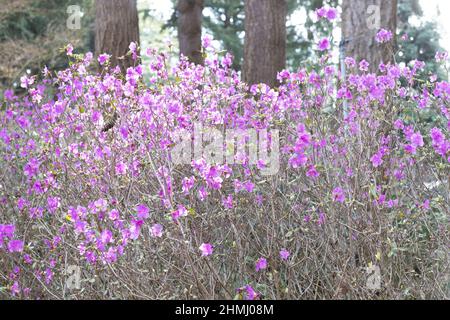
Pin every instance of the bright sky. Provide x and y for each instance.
(433, 10)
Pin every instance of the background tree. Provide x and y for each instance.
(265, 40)
(421, 38)
(190, 29)
(33, 31)
(359, 29)
(116, 26)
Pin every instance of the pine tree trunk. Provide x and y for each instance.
(265, 41)
(116, 26)
(190, 29)
(359, 30)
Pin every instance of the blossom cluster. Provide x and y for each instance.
(88, 165)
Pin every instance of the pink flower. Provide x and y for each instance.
(180, 212)
(416, 140)
(284, 254)
(249, 293)
(114, 214)
(383, 36)
(142, 211)
(15, 288)
(7, 230)
(103, 58)
(69, 49)
(261, 264)
(135, 229)
(331, 14)
(228, 202)
(338, 195)
(206, 41)
(15, 246)
(324, 44)
(364, 65)
(377, 159)
(106, 237)
(156, 230)
(206, 249)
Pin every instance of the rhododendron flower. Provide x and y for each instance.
(364, 65)
(15, 246)
(331, 14)
(228, 202)
(142, 211)
(15, 288)
(101, 205)
(338, 195)
(383, 36)
(260, 264)
(135, 229)
(350, 62)
(156, 230)
(248, 293)
(328, 13)
(106, 236)
(416, 140)
(284, 254)
(377, 159)
(114, 214)
(180, 212)
(103, 58)
(206, 249)
(324, 44)
(69, 49)
(206, 41)
(7, 230)
(441, 56)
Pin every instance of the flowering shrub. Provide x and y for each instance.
(89, 179)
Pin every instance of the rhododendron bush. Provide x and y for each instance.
(357, 180)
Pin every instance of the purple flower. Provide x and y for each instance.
(338, 195)
(103, 58)
(69, 49)
(331, 14)
(135, 229)
(7, 230)
(324, 44)
(228, 202)
(364, 65)
(180, 212)
(377, 159)
(156, 230)
(416, 140)
(106, 237)
(250, 293)
(142, 211)
(206, 41)
(206, 249)
(15, 246)
(261, 264)
(284, 254)
(383, 36)
(114, 214)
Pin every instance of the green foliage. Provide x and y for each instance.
(423, 38)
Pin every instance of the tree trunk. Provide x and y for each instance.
(265, 41)
(190, 29)
(116, 26)
(359, 28)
